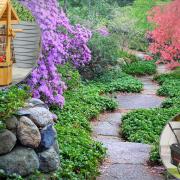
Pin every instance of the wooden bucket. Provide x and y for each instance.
(5, 74)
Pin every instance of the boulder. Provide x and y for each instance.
(11, 123)
(56, 147)
(38, 103)
(28, 133)
(21, 160)
(40, 116)
(7, 141)
(35, 101)
(23, 112)
(48, 137)
(49, 160)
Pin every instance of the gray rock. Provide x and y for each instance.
(21, 160)
(38, 103)
(56, 147)
(7, 141)
(23, 112)
(11, 123)
(48, 136)
(49, 160)
(28, 133)
(40, 116)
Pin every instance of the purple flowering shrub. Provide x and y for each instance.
(61, 42)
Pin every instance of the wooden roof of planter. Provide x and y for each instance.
(4, 4)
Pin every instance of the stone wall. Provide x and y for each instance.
(29, 141)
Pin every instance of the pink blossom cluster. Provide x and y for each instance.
(166, 35)
(60, 42)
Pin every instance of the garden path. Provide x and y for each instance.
(126, 160)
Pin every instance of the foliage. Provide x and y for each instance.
(155, 156)
(116, 80)
(171, 102)
(104, 51)
(170, 84)
(145, 126)
(130, 24)
(140, 68)
(11, 100)
(166, 34)
(23, 13)
(70, 75)
(80, 155)
(170, 88)
(60, 42)
(174, 75)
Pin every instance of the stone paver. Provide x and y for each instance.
(138, 101)
(126, 160)
(108, 124)
(125, 152)
(128, 172)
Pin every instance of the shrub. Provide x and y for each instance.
(140, 68)
(166, 35)
(104, 50)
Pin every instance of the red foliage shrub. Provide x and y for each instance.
(166, 33)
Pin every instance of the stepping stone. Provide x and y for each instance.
(150, 87)
(113, 118)
(106, 129)
(138, 101)
(125, 152)
(107, 124)
(128, 172)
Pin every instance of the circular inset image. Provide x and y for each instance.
(19, 43)
(170, 147)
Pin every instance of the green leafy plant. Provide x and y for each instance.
(116, 80)
(70, 75)
(140, 68)
(12, 99)
(23, 13)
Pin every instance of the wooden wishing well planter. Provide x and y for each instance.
(8, 17)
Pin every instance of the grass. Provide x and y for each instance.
(140, 68)
(145, 126)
